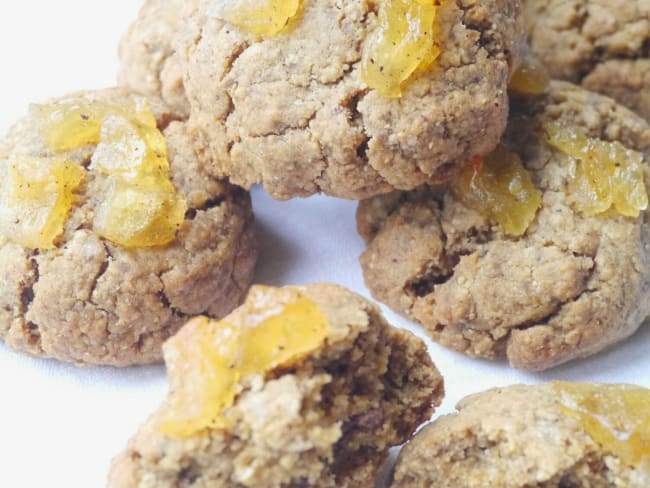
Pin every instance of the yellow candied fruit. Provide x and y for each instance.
(264, 18)
(531, 78)
(36, 199)
(615, 416)
(405, 42)
(207, 360)
(140, 207)
(66, 126)
(500, 187)
(603, 175)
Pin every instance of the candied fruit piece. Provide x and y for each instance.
(603, 175)
(144, 213)
(615, 416)
(140, 207)
(531, 78)
(500, 187)
(69, 125)
(207, 360)
(265, 18)
(36, 198)
(404, 42)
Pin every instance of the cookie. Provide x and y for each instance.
(295, 112)
(148, 61)
(602, 44)
(112, 233)
(563, 276)
(548, 436)
(309, 386)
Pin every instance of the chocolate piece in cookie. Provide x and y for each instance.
(540, 252)
(321, 99)
(300, 386)
(148, 61)
(548, 436)
(112, 233)
(602, 44)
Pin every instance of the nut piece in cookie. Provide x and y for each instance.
(348, 98)
(552, 435)
(148, 61)
(602, 44)
(538, 252)
(300, 386)
(112, 233)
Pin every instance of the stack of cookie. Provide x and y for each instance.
(503, 212)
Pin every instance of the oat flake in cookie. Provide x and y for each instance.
(602, 44)
(547, 436)
(148, 61)
(288, 105)
(112, 232)
(300, 386)
(570, 279)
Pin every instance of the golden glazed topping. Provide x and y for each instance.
(500, 187)
(207, 361)
(35, 199)
(615, 416)
(264, 18)
(531, 78)
(70, 125)
(405, 41)
(140, 207)
(604, 175)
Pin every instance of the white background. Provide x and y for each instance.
(59, 424)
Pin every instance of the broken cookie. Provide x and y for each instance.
(539, 251)
(602, 44)
(111, 232)
(548, 436)
(300, 386)
(347, 98)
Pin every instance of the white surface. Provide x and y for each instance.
(59, 424)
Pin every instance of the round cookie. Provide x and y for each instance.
(88, 300)
(323, 416)
(602, 44)
(534, 436)
(292, 111)
(570, 286)
(148, 61)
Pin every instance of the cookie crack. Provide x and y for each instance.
(30, 329)
(102, 270)
(235, 54)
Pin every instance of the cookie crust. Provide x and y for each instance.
(90, 301)
(148, 60)
(571, 286)
(602, 44)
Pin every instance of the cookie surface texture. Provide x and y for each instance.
(523, 436)
(570, 286)
(324, 418)
(148, 61)
(292, 111)
(89, 300)
(602, 44)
